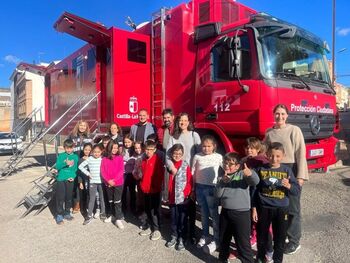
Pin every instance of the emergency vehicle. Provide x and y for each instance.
(220, 61)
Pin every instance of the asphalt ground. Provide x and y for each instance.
(325, 222)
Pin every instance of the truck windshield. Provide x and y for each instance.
(295, 58)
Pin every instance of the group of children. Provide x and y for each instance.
(252, 192)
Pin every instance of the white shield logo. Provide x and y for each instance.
(133, 105)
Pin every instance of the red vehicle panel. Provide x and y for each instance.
(220, 61)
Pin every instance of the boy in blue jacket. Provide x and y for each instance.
(271, 202)
(66, 165)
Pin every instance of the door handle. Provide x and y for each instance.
(211, 116)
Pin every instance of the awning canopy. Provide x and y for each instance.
(91, 32)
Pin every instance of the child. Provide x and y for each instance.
(255, 153)
(255, 158)
(137, 174)
(80, 135)
(93, 163)
(138, 152)
(234, 196)
(83, 179)
(112, 171)
(130, 182)
(179, 189)
(271, 202)
(105, 140)
(152, 167)
(66, 166)
(205, 171)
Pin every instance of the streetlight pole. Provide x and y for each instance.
(333, 44)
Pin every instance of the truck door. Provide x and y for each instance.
(225, 99)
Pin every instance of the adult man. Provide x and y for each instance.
(143, 128)
(164, 134)
(166, 130)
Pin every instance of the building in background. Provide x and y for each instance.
(5, 110)
(342, 92)
(27, 94)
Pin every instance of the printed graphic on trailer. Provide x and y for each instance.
(310, 109)
(133, 109)
(222, 102)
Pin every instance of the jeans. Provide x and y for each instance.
(152, 207)
(129, 184)
(190, 226)
(114, 194)
(94, 188)
(294, 220)
(64, 193)
(209, 208)
(237, 224)
(278, 216)
(178, 220)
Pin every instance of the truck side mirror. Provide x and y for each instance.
(237, 58)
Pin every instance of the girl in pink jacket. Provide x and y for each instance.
(112, 172)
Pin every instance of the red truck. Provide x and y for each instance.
(220, 61)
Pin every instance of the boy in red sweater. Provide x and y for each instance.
(152, 167)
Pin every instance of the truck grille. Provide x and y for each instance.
(313, 126)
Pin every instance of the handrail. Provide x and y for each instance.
(86, 104)
(63, 115)
(13, 162)
(97, 127)
(28, 117)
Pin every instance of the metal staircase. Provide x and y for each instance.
(13, 162)
(28, 123)
(41, 193)
(158, 63)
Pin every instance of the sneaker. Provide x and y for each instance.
(97, 213)
(119, 224)
(144, 226)
(87, 221)
(108, 219)
(233, 255)
(291, 249)
(180, 245)
(210, 248)
(155, 235)
(202, 241)
(103, 217)
(68, 217)
(76, 208)
(59, 220)
(269, 257)
(145, 232)
(171, 242)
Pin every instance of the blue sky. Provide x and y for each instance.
(28, 34)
